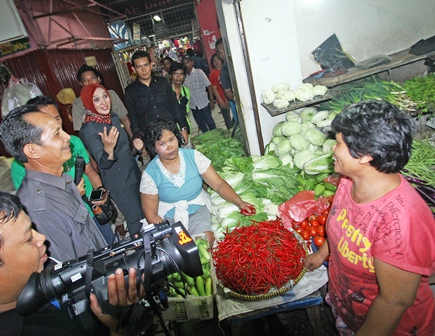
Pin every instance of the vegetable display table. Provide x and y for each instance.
(306, 294)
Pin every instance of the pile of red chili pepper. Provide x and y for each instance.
(252, 260)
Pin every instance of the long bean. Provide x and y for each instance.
(422, 162)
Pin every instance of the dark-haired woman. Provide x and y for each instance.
(109, 145)
(381, 233)
(172, 183)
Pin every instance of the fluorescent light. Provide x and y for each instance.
(157, 18)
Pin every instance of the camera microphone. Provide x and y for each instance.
(80, 166)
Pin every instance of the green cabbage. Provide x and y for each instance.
(307, 113)
(300, 158)
(292, 116)
(287, 160)
(283, 147)
(314, 136)
(327, 145)
(277, 129)
(299, 142)
(290, 128)
(306, 125)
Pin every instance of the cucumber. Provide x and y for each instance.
(189, 280)
(203, 251)
(192, 290)
(179, 284)
(205, 274)
(208, 287)
(176, 277)
(199, 284)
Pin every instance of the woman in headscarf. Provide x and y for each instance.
(108, 143)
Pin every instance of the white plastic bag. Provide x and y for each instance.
(18, 93)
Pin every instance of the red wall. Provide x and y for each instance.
(209, 27)
(53, 70)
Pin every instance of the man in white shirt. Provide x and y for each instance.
(200, 104)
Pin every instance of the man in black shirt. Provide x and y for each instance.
(149, 98)
(22, 252)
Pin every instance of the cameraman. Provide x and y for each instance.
(22, 252)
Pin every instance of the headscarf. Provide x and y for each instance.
(87, 96)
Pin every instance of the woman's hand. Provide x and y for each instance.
(316, 259)
(138, 144)
(109, 139)
(247, 209)
(81, 187)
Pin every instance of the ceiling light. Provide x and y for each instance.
(157, 18)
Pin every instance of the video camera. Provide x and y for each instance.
(158, 251)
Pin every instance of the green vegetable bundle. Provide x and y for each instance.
(422, 91)
(218, 145)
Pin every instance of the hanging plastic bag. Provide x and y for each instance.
(330, 55)
(301, 206)
(18, 93)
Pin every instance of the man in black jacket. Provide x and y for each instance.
(149, 98)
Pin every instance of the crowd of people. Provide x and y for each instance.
(53, 217)
(380, 232)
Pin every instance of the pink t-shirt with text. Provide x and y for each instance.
(398, 229)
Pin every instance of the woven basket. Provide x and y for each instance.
(266, 296)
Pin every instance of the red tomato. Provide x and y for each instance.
(312, 231)
(299, 230)
(303, 224)
(326, 212)
(305, 235)
(314, 223)
(311, 218)
(321, 219)
(318, 240)
(321, 231)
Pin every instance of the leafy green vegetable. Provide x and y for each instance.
(265, 162)
(422, 91)
(319, 165)
(218, 145)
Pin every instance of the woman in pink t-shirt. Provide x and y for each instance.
(381, 234)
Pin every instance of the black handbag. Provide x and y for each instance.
(105, 213)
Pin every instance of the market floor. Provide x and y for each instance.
(283, 324)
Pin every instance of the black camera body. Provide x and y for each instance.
(169, 248)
